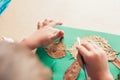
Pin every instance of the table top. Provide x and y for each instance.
(20, 18)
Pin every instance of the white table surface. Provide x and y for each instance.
(20, 18)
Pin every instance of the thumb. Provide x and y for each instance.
(57, 34)
(38, 25)
(82, 51)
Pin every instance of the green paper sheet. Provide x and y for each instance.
(59, 66)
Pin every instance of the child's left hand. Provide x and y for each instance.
(44, 34)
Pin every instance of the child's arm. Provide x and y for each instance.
(96, 61)
(44, 35)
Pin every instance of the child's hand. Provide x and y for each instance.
(44, 34)
(96, 61)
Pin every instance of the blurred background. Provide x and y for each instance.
(20, 18)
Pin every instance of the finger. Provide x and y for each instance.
(50, 20)
(94, 45)
(61, 33)
(82, 51)
(60, 39)
(80, 60)
(54, 23)
(59, 23)
(45, 22)
(88, 46)
(38, 25)
(56, 35)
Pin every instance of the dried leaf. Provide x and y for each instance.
(116, 62)
(73, 71)
(56, 50)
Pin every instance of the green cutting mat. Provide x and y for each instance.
(59, 66)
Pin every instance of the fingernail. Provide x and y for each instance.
(45, 19)
(61, 33)
(78, 47)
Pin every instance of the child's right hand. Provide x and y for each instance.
(96, 61)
